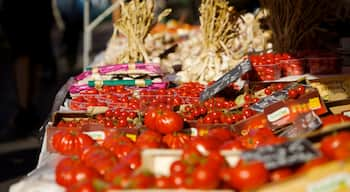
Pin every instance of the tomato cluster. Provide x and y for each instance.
(270, 66)
(118, 96)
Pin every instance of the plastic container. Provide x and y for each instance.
(293, 67)
(267, 72)
(77, 105)
(324, 65)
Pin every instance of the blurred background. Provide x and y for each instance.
(40, 48)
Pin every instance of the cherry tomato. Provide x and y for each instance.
(292, 93)
(268, 91)
(301, 90)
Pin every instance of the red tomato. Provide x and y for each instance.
(203, 177)
(150, 117)
(215, 160)
(268, 91)
(162, 120)
(178, 167)
(330, 144)
(232, 145)
(149, 139)
(141, 180)
(70, 142)
(205, 144)
(301, 90)
(70, 171)
(191, 156)
(163, 183)
(118, 173)
(122, 150)
(178, 180)
(113, 138)
(168, 122)
(342, 152)
(176, 140)
(332, 119)
(246, 176)
(292, 93)
(280, 174)
(99, 159)
(133, 159)
(222, 133)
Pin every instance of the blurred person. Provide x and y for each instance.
(27, 26)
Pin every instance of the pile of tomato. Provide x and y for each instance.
(165, 119)
(115, 164)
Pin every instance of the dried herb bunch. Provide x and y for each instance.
(219, 27)
(135, 22)
(294, 22)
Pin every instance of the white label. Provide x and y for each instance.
(282, 112)
(96, 135)
(333, 183)
(346, 113)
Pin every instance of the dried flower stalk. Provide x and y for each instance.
(135, 20)
(294, 21)
(218, 27)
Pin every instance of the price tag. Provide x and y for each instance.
(225, 80)
(96, 135)
(131, 136)
(286, 154)
(314, 103)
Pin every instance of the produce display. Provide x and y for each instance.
(139, 120)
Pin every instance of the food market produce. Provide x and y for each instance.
(171, 107)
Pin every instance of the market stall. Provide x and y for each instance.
(227, 105)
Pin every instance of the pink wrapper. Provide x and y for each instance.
(83, 75)
(149, 68)
(78, 88)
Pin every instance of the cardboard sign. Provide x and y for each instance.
(225, 80)
(286, 154)
(282, 113)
